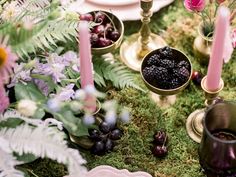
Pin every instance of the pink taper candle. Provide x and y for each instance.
(86, 66)
(217, 53)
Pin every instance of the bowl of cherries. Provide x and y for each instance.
(107, 31)
(166, 71)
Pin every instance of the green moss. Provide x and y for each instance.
(134, 149)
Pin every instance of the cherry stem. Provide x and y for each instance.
(110, 20)
(164, 141)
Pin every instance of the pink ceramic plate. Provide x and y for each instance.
(108, 171)
(113, 2)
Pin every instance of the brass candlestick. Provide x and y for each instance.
(194, 122)
(139, 44)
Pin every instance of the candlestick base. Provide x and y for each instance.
(194, 121)
(163, 101)
(194, 125)
(130, 50)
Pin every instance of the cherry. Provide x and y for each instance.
(94, 39)
(94, 134)
(100, 17)
(104, 127)
(103, 42)
(116, 134)
(86, 17)
(197, 78)
(99, 30)
(98, 148)
(160, 151)
(160, 138)
(114, 35)
(109, 27)
(109, 145)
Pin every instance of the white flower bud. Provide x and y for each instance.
(80, 94)
(27, 107)
(88, 119)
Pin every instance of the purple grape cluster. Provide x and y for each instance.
(104, 138)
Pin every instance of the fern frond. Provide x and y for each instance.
(115, 72)
(44, 142)
(8, 161)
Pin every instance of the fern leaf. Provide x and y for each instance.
(44, 142)
(115, 72)
(8, 161)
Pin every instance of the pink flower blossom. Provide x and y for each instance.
(7, 60)
(194, 5)
(4, 100)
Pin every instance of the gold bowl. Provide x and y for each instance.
(119, 26)
(178, 55)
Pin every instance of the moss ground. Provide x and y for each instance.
(178, 28)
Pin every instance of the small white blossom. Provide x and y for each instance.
(54, 104)
(110, 117)
(88, 119)
(124, 116)
(27, 107)
(80, 94)
(11, 10)
(75, 106)
(90, 89)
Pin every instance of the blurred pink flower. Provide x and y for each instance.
(194, 5)
(7, 60)
(4, 100)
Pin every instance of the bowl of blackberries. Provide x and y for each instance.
(107, 31)
(166, 71)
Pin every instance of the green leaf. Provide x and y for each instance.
(11, 123)
(28, 91)
(26, 158)
(74, 125)
(118, 74)
(39, 114)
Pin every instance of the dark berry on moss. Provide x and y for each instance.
(160, 151)
(104, 127)
(153, 60)
(109, 145)
(116, 134)
(160, 137)
(197, 78)
(98, 148)
(94, 134)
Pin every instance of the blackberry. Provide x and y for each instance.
(153, 60)
(182, 74)
(183, 63)
(166, 52)
(162, 78)
(161, 74)
(168, 64)
(175, 83)
(149, 73)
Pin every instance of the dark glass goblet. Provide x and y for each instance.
(217, 152)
